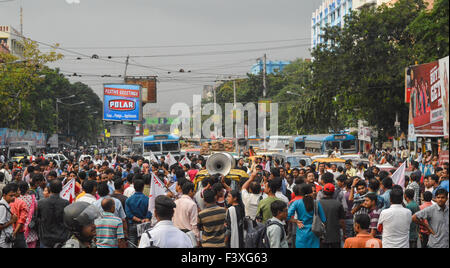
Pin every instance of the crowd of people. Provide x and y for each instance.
(315, 206)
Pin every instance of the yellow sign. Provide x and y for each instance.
(146, 132)
(108, 135)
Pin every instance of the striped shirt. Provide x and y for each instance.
(211, 221)
(374, 215)
(109, 230)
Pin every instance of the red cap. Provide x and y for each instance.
(329, 187)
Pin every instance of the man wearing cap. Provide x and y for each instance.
(165, 234)
(335, 215)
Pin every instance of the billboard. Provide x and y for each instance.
(443, 74)
(123, 131)
(122, 102)
(426, 107)
(8, 136)
(148, 84)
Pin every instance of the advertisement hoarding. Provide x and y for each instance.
(443, 75)
(122, 102)
(426, 109)
(148, 84)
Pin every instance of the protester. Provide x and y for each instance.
(79, 219)
(234, 222)
(109, 229)
(90, 190)
(275, 230)
(186, 211)
(211, 221)
(136, 209)
(424, 233)
(263, 212)
(251, 196)
(395, 222)
(7, 218)
(363, 238)
(370, 203)
(414, 207)
(304, 208)
(20, 209)
(335, 216)
(437, 221)
(50, 213)
(165, 234)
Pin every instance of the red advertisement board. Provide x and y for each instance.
(425, 102)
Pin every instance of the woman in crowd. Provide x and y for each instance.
(235, 220)
(304, 208)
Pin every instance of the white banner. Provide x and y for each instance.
(399, 176)
(170, 160)
(153, 158)
(157, 188)
(68, 191)
(185, 160)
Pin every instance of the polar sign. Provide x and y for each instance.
(122, 102)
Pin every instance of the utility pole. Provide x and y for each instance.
(264, 96)
(264, 75)
(235, 112)
(126, 68)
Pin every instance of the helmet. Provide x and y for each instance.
(80, 214)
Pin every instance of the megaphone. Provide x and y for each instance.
(221, 163)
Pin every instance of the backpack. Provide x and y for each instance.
(257, 236)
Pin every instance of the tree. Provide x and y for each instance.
(431, 33)
(28, 93)
(362, 66)
(18, 80)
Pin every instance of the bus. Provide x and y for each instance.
(255, 142)
(299, 143)
(279, 143)
(157, 144)
(324, 143)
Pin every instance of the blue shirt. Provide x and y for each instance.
(137, 206)
(118, 212)
(387, 199)
(443, 185)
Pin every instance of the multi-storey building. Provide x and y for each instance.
(332, 12)
(10, 39)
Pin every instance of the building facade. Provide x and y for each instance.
(332, 12)
(272, 67)
(10, 39)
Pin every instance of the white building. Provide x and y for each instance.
(10, 38)
(332, 12)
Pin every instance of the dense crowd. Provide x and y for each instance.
(315, 206)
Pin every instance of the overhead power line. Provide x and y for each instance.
(193, 45)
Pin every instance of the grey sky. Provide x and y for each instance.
(131, 23)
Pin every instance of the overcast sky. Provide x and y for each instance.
(166, 28)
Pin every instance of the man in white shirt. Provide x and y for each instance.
(278, 193)
(90, 189)
(165, 234)
(251, 195)
(395, 222)
(7, 219)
